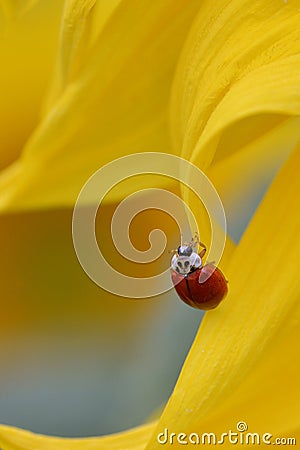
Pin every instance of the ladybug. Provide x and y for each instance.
(186, 269)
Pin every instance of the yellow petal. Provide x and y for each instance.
(112, 99)
(262, 306)
(83, 21)
(16, 439)
(241, 60)
(12, 9)
(243, 177)
(28, 46)
(273, 385)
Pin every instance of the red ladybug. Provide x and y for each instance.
(186, 268)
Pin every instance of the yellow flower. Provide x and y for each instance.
(234, 112)
(103, 102)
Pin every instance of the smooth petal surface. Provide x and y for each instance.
(245, 175)
(109, 98)
(241, 60)
(28, 45)
(273, 385)
(261, 309)
(15, 439)
(15, 8)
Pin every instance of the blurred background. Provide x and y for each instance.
(75, 360)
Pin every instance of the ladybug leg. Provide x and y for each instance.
(203, 251)
(197, 241)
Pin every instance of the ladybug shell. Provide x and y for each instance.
(205, 295)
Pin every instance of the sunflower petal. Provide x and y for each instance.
(16, 439)
(12, 8)
(242, 189)
(112, 99)
(28, 45)
(241, 60)
(262, 306)
(274, 378)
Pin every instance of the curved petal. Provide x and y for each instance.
(244, 176)
(262, 306)
(12, 9)
(111, 100)
(241, 60)
(16, 439)
(273, 385)
(83, 22)
(28, 45)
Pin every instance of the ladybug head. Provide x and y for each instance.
(184, 250)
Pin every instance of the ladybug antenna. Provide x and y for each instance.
(181, 239)
(174, 250)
